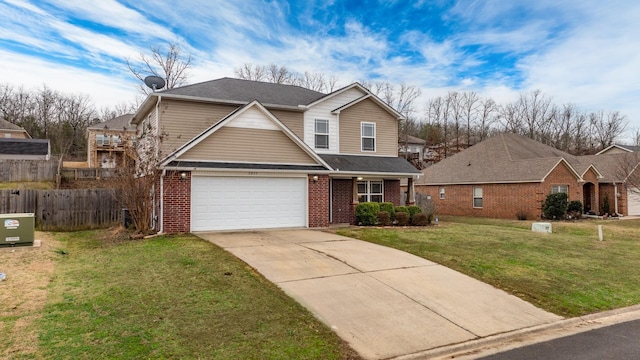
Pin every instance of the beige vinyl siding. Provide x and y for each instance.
(293, 120)
(181, 121)
(368, 111)
(248, 145)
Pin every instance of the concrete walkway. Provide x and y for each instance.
(384, 302)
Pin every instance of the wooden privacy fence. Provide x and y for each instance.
(87, 173)
(64, 209)
(28, 170)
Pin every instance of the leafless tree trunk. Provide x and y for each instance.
(488, 109)
(168, 63)
(470, 104)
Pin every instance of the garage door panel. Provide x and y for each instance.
(226, 203)
(633, 201)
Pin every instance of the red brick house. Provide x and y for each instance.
(239, 154)
(509, 176)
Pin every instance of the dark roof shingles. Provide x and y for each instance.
(24, 146)
(369, 164)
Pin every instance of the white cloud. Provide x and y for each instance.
(27, 71)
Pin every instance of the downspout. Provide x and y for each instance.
(161, 210)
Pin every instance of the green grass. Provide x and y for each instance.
(171, 298)
(568, 272)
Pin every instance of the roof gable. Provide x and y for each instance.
(254, 117)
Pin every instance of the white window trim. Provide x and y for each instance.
(315, 133)
(481, 197)
(368, 192)
(362, 137)
(441, 192)
(556, 189)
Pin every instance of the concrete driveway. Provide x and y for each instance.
(383, 301)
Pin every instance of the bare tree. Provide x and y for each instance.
(606, 128)
(252, 72)
(488, 110)
(470, 104)
(169, 64)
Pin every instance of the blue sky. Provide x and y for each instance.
(583, 52)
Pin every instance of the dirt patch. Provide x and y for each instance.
(23, 294)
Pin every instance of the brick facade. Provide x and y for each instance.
(319, 201)
(341, 202)
(608, 191)
(392, 192)
(505, 201)
(176, 217)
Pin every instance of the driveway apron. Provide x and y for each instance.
(383, 302)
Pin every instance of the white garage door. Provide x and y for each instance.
(234, 203)
(633, 201)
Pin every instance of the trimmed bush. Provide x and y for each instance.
(388, 207)
(574, 209)
(398, 209)
(402, 218)
(412, 210)
(555, 206)
(420, 219)
(384, 219)
(367, 213)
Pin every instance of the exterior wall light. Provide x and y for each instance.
(315, 178)
(360, 178)
(183, 176)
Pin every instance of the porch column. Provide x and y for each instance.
(411, 194)
(354, 194)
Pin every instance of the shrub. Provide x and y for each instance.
(367, 213)
(574, 209)
(412, 210)
(555, 206)
(384, 218)
(420, 219)
(605, 204)
(398, 209)
(388, 207)
(522, 215)
(402, 218)
(428, 208)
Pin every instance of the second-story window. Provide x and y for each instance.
(321, 132)
(368, 136)
(102, 140)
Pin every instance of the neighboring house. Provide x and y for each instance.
(13, 131)
(239, 154)
(107, 142)
(411, 147)
(619, 149)
(509, 176)
(24, 149)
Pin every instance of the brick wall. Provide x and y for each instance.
(341, 202)
(176, 217)
(503, 200)
(608, 190)
(319, 201)
(392, 192)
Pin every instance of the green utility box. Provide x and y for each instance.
(17, 229)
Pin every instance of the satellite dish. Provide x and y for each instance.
(154, 82)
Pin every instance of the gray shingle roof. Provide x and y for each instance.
(238, 90)
(369, 164)
(12, 146)
(6, 125)
(121, 122)
(501, 159)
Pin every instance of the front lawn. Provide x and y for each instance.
(569, 272)
(175, 297)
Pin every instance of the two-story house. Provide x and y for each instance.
(239, 154)
(10, 130)
(107, 142)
